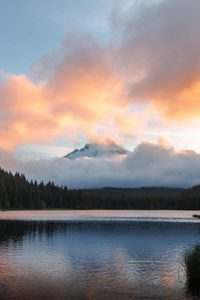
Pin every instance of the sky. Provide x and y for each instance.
(73, 72)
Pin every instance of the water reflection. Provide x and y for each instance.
(94, 260)
(16, 230)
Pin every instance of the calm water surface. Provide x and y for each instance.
(95, 254)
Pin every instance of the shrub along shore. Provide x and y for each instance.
(196, 216)
(192, 268)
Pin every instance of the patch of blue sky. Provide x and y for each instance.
(41, 151)
(31, 29)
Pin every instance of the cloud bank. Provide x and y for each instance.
(148, 165)
(85, 87)
(159, 49)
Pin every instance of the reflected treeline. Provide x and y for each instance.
(15, 231)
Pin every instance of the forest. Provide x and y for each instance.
(16, 192)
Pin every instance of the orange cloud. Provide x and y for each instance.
(159, 55)
(164, 141)
(78, 96)
(183, 105)
(87, 88)
(25, 112)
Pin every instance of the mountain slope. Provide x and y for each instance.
(97, 150)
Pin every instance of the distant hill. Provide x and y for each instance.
(193, 192)
(137, 192)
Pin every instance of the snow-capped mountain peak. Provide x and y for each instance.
(97, 150)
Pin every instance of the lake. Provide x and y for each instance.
(95, 254)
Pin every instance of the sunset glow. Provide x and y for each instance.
(100, 149)
(86, 85)
(132, 78)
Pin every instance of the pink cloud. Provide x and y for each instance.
(84, 86)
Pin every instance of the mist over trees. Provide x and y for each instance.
(16, 192)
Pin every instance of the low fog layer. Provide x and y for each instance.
(147, 165)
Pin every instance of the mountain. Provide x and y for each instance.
(97, 150)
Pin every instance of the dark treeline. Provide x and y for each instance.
(16, 192)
